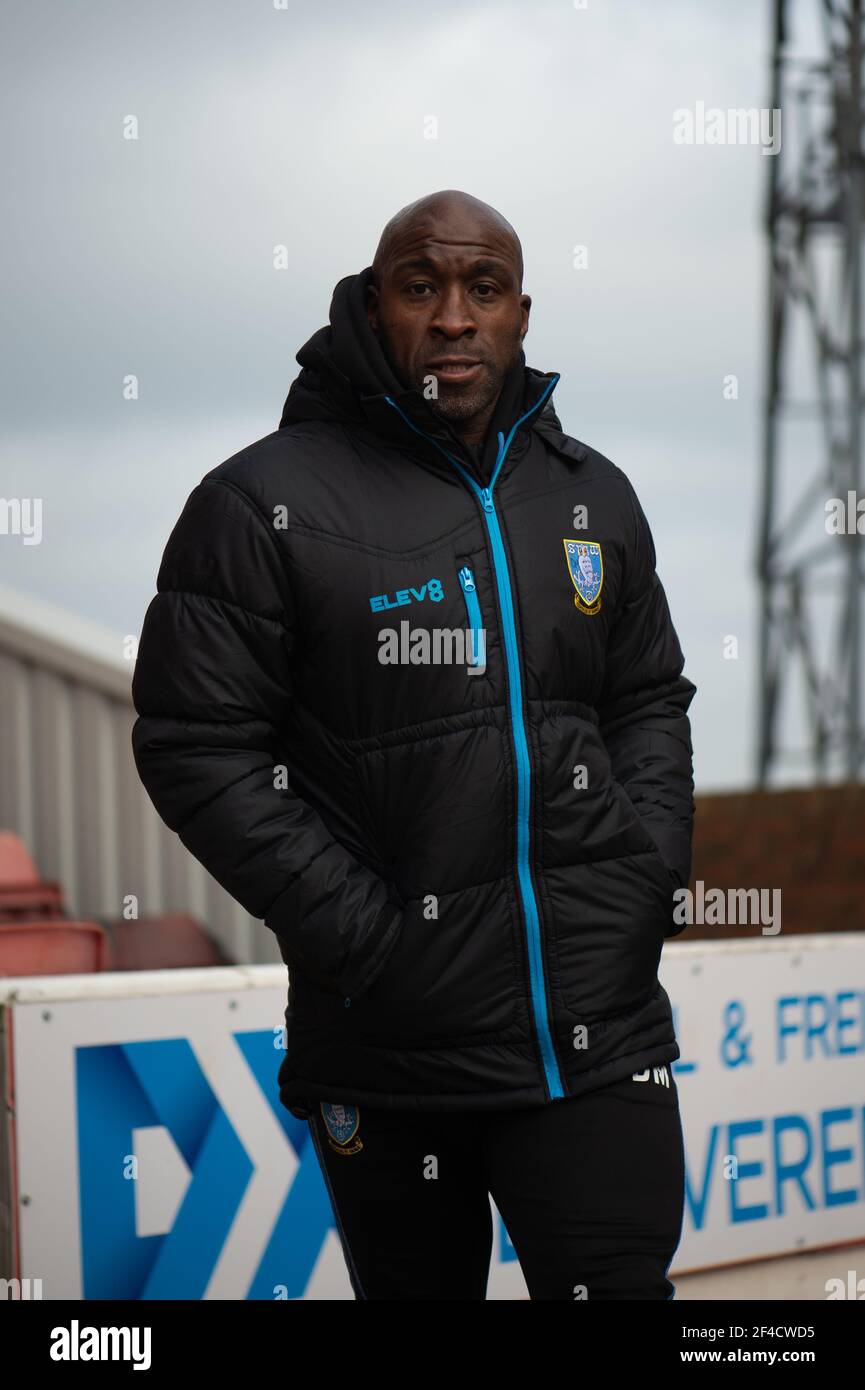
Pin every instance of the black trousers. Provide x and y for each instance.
(591, 1191)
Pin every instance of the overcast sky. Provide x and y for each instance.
(304, 126)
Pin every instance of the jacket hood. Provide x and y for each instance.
(346, 377)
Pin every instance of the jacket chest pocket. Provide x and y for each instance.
(476, 637)
(475, 629)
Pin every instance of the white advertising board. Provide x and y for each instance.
(154, 1159)
(772, 1090)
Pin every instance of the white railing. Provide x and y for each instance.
(70, 789)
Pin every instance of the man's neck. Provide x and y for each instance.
(475, 429)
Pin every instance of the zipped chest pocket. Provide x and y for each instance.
(476, 637)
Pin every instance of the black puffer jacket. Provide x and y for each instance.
(469, 867)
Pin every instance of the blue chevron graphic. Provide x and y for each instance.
(122, 1087)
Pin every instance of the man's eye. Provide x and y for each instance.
(418, 285)
(491, 288)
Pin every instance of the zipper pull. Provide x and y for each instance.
(487, 499)
(467, 580)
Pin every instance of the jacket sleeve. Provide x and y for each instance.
(212, 683)
(644, 702)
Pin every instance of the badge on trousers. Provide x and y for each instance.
(343, 1122)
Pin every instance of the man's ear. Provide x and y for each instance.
(525, 306)
(372, 307)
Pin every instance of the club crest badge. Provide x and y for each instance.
(586, 568)
(342, 1123)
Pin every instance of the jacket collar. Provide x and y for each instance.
(407, 418)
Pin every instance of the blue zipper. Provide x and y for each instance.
(473, 610)
(518, 727)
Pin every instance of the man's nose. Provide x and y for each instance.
(454, 314)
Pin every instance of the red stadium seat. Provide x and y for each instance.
(23, 894)
(52, 947)
(21, 902)
(16, 866)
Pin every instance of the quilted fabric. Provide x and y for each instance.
(468, 867)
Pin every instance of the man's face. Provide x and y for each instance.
(450, 315)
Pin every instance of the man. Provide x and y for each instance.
(469, 872)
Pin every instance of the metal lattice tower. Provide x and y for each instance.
(811, 580)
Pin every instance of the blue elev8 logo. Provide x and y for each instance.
(433, 589)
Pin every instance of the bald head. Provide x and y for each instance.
(453, 216)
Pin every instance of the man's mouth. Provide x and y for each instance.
(452, 369)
